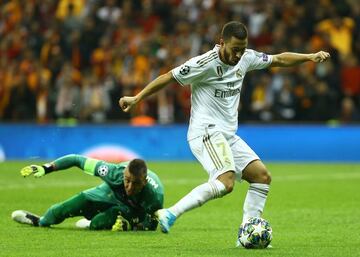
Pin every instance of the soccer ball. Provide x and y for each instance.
(255, 233)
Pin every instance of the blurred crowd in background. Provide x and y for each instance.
(71, 60)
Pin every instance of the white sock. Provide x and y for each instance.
(255, 200)
(198, 196)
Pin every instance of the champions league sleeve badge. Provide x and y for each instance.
(265, 57)
(185, 69)
(103, 170)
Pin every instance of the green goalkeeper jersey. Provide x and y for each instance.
(149, 200)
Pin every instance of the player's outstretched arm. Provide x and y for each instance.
(290, 59)
(128, 102)
(62, 163)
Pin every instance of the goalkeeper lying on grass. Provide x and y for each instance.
(126, 201)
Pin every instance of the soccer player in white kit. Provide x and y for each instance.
(216, 79)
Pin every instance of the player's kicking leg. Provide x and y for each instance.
(259, 179)
(196, 198)
(217, 159)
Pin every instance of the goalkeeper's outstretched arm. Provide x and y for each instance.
(62, 163)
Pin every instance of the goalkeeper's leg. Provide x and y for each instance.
(77, 205)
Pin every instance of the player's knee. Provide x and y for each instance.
(265, 177)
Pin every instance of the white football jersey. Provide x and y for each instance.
(215, 89)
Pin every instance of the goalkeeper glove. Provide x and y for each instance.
(37, 170)
(121, 224)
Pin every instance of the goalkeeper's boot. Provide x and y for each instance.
(25, 217)
(166, 219)
(83, 223)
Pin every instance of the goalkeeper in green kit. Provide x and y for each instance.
(127, 200)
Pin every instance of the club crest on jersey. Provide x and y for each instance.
(103, 170)
(185, 69)
(219, 72)
(238, 74)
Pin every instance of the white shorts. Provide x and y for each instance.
(219, 154)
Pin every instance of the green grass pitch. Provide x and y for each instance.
(314, 210)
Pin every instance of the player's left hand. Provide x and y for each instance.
(320, 56)
(121, 224)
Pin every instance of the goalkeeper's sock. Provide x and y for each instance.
(255, 200)
(50, 218)
(198, 196)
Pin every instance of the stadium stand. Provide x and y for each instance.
(70, 61)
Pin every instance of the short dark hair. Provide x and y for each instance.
(137, 167)
(234, 29)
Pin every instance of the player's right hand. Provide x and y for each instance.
(36, 170)
(127, 102)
